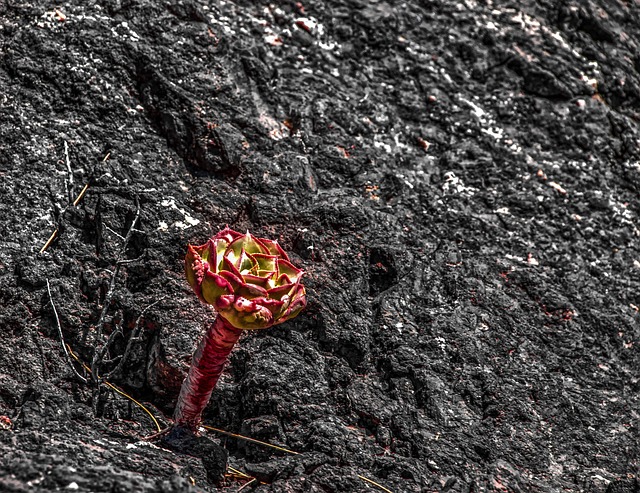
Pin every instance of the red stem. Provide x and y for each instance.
(206, 367)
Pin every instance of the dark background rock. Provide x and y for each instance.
(459, 181)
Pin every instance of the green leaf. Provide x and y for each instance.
(283, 280)
(251, 291)
(234, 280)
(297, 303)
(219, 247)
(227, 234)
(259, 280)
(214, 286)
(247, 314)
(266, 262)
(279, 292)
(286, 267)
(248, 242)
(246, 263)
(229, 267)
(195, 267)
(274, 248)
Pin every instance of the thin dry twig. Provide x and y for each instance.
(114, 333)
(68, 163)
(114, 232)
(378, 485)
(74, 203)
(68, 185)
(267, 444)
(130, 260)
(137, 403)
(49, 241)
(64, 346)
(119, 391)
(135, 336)
(247, 484)
(100, 351)
(241, 437)
(80, 195)
(239, 473)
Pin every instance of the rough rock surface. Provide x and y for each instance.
(459, 180)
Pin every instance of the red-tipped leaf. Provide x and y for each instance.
(279, 292)
(283, 280)
(259, 280)
(227, 234)
(246, 314)
(246, 263)
(273, 305)
(286, 267)
(249, 243)
(195, 268)
(251, 291)
(224, 302)
(293, 310)
(234, 280)
(214, 286)
(274, 248)
(229, 267)
(265, 261)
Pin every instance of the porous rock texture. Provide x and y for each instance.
(459, 180)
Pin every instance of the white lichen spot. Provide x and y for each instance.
(516, 258)
(495, 132)
(273, 39)
(328, 46)
(479, 112)
(188, 220)
(453, 184)
(589, 81)
(381, 145)
(441, 342)
(558, 187)
(52, 19)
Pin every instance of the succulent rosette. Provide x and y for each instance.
(250, 281)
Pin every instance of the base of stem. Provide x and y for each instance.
(183, 440)
(204, 373)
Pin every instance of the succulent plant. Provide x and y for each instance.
(252, 284)
(248, 280)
